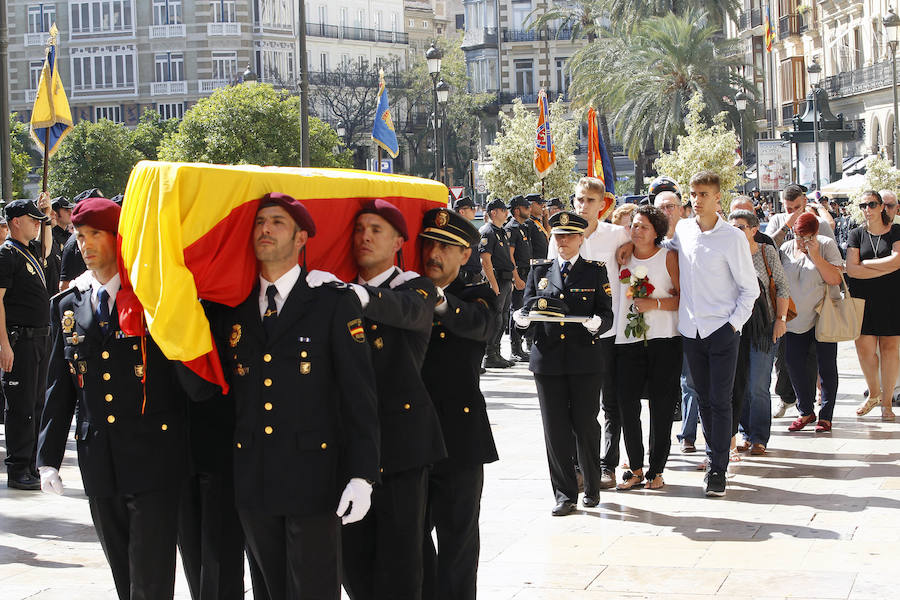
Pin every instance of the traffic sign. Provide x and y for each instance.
(456, 192)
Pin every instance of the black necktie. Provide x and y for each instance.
(271, 315)
(102, 313)
(565, 269)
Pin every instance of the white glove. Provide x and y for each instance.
(593, 324)
(522, 320)
(441, 307)
(361, 293)
(317, 278)
(403, 278)
(357, 497)
(51, 483)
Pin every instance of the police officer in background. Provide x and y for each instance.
(463, 322)
(554, 206)
(306, 435)
(499, 270)
(538, 225)
(24, 331)
(520, 240)
(564, 359)
(471, 271)
(129, 425)
(71, 263)
(383, 552)
(61, 217)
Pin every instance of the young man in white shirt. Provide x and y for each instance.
(601, 240)
(718, 289)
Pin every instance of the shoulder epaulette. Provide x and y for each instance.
(594, 262)
(541, 261)
(59, 296)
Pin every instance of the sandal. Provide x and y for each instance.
(801, 422)
(757, 450)
(743, 446)
(735, 456)
(656, 483)
(702, 466)
(867, 406)
(631, 480)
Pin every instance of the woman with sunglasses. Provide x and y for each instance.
(873, 264)
(811, 263)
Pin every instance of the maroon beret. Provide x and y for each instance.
(388, 212)
(294, 208)
(807, 224)
(98, 213)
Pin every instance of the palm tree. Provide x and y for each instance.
(645, 77)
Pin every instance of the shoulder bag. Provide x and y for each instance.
(840, 320)
(792, 308)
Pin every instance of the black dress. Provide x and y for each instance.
(880, 293)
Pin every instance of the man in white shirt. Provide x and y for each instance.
(795, 204)
(718, 289)
(601, 240)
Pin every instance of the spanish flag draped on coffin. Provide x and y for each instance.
(185, 234)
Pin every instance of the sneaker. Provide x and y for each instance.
(687, 447)
(715, 484)
(781, 409)
(607, 479)
(801, 422)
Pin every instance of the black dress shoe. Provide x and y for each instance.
(564, 508)
(24, 482)
(496, 362)
(482, 371)
(521, 356)
(590, 501)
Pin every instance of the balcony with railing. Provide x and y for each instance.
(363, 34)
(858, 81)
(807, 19)
(208, 86)
(531, 98)
(520, 35)
(220, 29)
(788, 25)
(750, 19)
(323, 30)
(172, 30)
(37, 38)
(476, 38)
(359, 79)
(117, 29)
(168, 88)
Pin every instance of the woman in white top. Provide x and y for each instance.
(648, 354)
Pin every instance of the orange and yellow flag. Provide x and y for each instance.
(544, 149)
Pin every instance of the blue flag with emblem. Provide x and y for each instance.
(51, 118)
(383, 129)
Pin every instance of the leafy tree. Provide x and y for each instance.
(513, 152)
(250, 124)
(705, 147)
(93, 155)
(18, 154)
(149, 133)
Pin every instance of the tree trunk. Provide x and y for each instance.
(638, 173)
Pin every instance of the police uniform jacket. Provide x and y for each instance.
(495, 240)
(22, 275)
(567, 348)
(451, 372)
(398, 328)
(539, 241)
(520, 240)
(130, 435)
(306, 419)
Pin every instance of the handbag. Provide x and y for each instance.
(840, 320)
(792, 308)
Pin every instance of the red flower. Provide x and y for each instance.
(648, 287)
(624, 274)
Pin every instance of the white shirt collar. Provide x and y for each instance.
(571, 261)
(378, 279)
(283, 284)
(112, 288)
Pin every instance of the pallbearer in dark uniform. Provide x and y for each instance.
(463, 322)
(564, 359)
(497, 263)
(538, 225)
(129, 418)
(471, 271)
(383, 552)
(71, 263)
(62, 218)
(24, 327)
(306, 435)
(520, 241)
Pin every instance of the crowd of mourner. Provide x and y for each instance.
(350, 448)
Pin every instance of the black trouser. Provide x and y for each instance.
(24, 388)
(659, 364)
(298, 555)
(517, 298)
(569, 408)
(454, 504)
(383, 552)
(783, 386)
(210, 537)
(712, 361)
(612, 421)
(504, 299)
(739, 387)
(138, 534)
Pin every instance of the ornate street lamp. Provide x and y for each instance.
(740, 101)
(891, 24)
(433, 58)
(815, 71)
(341, 130)
(442, 89)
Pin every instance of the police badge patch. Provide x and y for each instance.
(542, 303)
(30, 268)
(68, 321)
(543, 283)
(356, 330)
(564, 219)
(441, 219)
(235, 335)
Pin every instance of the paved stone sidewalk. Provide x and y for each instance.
(816, 518)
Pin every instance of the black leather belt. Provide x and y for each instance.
(26, 333)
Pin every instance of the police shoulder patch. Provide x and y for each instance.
(541, 261)
(356, 330)
(607, 289)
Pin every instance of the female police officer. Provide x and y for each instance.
(564, 358)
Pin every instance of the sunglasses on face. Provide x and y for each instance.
(865, 205)
(741, 227)
(890, 206)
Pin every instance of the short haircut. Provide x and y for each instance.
(886, 193)
(741, 200)
(593, 184)
(792, 192)
(748, 215)
(706, 178)
(657, 218)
